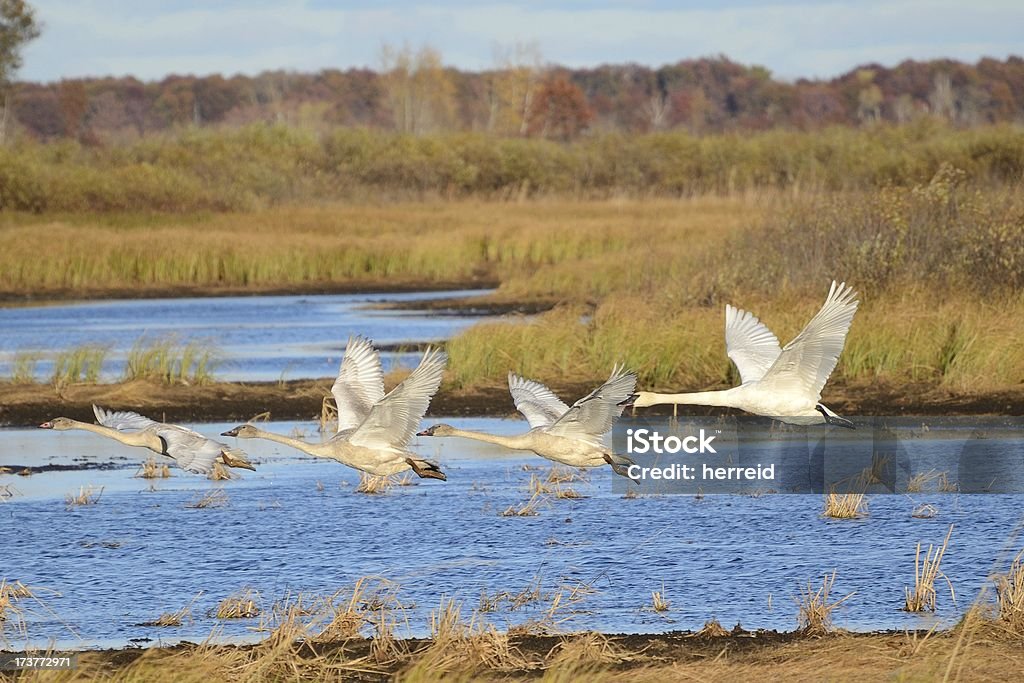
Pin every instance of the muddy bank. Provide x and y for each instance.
(37, 298)
(28, 405)
(987, 653)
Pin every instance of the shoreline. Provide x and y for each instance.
(27, 405)
(10, 299)
(988, 648)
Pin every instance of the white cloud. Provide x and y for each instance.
(792, 37)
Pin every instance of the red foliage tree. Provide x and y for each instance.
(561, 110)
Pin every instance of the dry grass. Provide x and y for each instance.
(241, 605)
(214, 498)
(659, 603)
(586, 651)
(921, 480)
(464, 646)
(87, 495)
(815, 609)
(368, 604)
(371, 485)
(563, 605)
(173, 619)
(925, 511)
(711, 629)
(1010, 595)
(845, 505)
(947, 486)
(926, 571)
(153, 470)
(529, 508)
(220, 473)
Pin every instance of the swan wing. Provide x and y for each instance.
(749, 343)
(594, 414)
(122, 420)
(806, 362)
(360, 383)
(394, 419)
(538, 404)
(191, 451)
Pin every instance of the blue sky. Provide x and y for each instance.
(793, 38)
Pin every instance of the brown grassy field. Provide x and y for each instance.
(975, 653)
(939, 266)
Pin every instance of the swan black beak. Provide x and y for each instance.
(425, 432)
(840, 422)
(230, 432)
(628, 403)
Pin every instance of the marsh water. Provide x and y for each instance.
(254, 338)
(298, 525)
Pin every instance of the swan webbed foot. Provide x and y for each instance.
(834, 419)
(620, 469)
(426, 470)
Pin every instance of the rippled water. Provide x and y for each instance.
(258, 337)
(140, 551)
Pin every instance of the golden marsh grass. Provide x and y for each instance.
(241, 605)
(815, 607)
(927, 571)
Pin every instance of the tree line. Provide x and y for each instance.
(414, 92)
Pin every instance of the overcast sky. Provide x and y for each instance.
(794, 38)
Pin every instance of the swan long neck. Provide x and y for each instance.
(515, 442)
(698, 398)
(127, 438)
(298, 444)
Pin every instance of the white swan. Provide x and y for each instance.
(373, 429)
(784, 383)
(568, 435)
(191, 450)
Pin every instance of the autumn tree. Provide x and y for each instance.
(18, 26)
(561, 110)
(419, 89)
(513, 87)
(74, 102)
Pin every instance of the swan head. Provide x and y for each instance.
(437, 430)
(641, 399)
(245, 431)
(58, 423)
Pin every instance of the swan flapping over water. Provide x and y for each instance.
(782, 383)
(570, 435)
(374, 429)
(190, 450)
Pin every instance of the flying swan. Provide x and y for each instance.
(190, 450)
(374, 430)
(784, 384)
(568, 435)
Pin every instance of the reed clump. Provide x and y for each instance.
(171, 362)
(659, 603)
(151, 469)
(373, 485)
(214, 498)
(712, 628)
(1010, 595)
(529, 508)
(244, 604)
(815, 608)
(220, 473)
(927, 571)
(78, 365)
(87, 495)
(850, 505)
